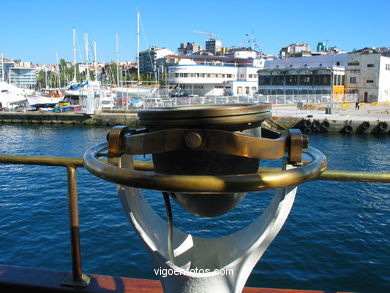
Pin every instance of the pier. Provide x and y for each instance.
(310, 118)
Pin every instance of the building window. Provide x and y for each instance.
(278, 80)
(388, 67)
(292, 79)
(352, 79)
(305, 79)
(353, 63)
(264, 80)
(370, 65)
(322, 79)
(370, 81)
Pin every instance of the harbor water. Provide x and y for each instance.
(335, 239)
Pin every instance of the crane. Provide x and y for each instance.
(205, 33)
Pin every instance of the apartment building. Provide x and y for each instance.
(368, 76)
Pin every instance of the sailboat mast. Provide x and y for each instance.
(117, 58)
(86, 54)
(59, 71)
(138, 74)
(74, 56)
(95, 62)
(2, 67)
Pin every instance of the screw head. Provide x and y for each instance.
(194, 140)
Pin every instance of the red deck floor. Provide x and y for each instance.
(36, 280)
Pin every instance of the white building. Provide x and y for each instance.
(215, 75)
(368, 75)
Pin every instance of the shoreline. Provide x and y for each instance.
(344, 118)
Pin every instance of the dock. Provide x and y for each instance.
(342, 118)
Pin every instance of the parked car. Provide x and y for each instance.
(178, 93)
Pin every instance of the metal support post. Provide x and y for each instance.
(77, 279)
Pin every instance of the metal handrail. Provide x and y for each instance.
(334, 175)
(78, 279)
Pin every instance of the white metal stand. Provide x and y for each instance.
(203, 264)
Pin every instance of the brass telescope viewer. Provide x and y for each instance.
(206, 156)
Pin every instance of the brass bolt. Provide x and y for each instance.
(193, 140)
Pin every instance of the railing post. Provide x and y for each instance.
(77, 279)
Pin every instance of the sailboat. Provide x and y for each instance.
(136, 91)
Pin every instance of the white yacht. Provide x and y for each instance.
(11, 95)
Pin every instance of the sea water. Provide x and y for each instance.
(336, 237)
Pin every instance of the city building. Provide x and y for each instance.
(23, 77)
(213, 46)
(322, 75)
(368, 76)
(147, 60)
(189, 48)
(21, 74)
(205, 75)
(322, 47)
(295, 50)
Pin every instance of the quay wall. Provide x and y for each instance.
(102, 119)
(343, 126)
(306, 124)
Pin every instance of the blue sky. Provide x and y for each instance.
(38, 30)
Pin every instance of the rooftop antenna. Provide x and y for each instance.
(252, 40)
